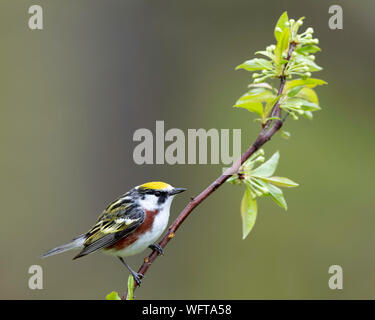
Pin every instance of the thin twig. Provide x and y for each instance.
(276, 111)
(263, 137)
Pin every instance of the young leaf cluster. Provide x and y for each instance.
(292, 59)
(259, 181)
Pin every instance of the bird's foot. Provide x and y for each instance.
(138, 278)
(157, 248)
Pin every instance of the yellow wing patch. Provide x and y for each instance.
(156, 185)
(117, 206)
(107, 226)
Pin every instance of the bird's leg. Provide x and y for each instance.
(157, 248)
(137, 276)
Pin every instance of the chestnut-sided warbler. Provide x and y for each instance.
(128, 225)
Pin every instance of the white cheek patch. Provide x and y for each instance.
(150, 202)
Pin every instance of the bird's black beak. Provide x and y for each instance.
(176, 190)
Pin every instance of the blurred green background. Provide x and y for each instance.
(73, 94)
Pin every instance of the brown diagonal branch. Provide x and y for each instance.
(264, 136)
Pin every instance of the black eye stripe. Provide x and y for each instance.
(157, 193)
(162, 198)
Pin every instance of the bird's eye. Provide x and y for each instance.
(158, 193)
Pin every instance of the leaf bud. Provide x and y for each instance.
(310, 30)
(260, 159)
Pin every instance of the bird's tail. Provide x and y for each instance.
(74, 244)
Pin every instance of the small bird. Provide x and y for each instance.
(129, 225)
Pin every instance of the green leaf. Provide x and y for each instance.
(282, 45)
(249, 211)
(310, 64)
(256, 187)
(270, 103)
(268, 168)
(130, 295)
(280, 181)
(308, 94)
(257, 95)
(309, 106)
(265, 53)
(280, 25)
(264, 85)
(292, 92)
(112, 296)
(308, 49)
(313, 66)
(255, 64)
(296, 103)
(309, 82)
(276, 194)
(256, 107)
(253, 100)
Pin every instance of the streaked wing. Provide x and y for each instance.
(119, 219)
